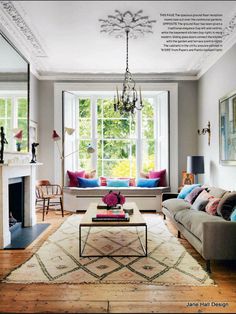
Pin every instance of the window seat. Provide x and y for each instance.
(76, 199)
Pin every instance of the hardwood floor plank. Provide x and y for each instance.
(54, 307)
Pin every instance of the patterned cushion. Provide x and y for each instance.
(194, 194)
(211, 207)
(201, 201)
(103, 181)
(186, 190)
(90, 174)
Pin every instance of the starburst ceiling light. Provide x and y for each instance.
(131, 26)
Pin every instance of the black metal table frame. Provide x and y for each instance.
(108, 226)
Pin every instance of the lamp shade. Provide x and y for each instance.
(55, 136)
(19, 135)
(195, 164)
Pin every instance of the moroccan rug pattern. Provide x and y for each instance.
(58, 261)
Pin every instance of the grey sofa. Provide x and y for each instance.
(212, 236)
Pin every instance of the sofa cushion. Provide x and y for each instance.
(211, 207)
(226, 205)
(216, 192)
(193, 221)
(194, 194)
(201, 201)
(186, 190)
(173, 205)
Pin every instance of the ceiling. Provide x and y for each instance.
(64, 36)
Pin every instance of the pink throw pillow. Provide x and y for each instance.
(159, 174)
(212, 205)
(73, 177)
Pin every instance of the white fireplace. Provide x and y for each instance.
(7, 173)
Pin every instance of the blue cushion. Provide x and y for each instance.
(118, 183)
(147, 183)
(233, 215)
(87, 183)
(186, 190)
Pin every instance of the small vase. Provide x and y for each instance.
(18, 147)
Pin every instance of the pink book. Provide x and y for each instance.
(110, 213)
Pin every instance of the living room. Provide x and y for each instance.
(66, 69)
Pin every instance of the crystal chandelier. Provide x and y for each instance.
(132, 25)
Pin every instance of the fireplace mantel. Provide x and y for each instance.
(9, 171)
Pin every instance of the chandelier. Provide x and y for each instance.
(130, 25)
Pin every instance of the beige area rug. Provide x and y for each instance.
(58, 261)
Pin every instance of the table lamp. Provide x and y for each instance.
(195, 165)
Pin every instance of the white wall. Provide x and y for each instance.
(213, 85)
(34, 98)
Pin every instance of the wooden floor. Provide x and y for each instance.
(113, 298)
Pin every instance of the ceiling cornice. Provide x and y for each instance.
(116, 77)
(17, 26)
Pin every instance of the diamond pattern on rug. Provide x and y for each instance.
(167, 263)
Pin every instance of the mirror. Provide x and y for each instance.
(228, 129)
(14, 97)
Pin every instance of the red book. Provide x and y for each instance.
(110, 213)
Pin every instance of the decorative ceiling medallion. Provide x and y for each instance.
(136, 23)
(22, 26)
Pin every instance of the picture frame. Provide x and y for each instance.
(187, 178)
(227, 129)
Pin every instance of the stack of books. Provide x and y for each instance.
(111, 215)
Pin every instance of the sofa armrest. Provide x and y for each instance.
(168, 195)
(219, 240)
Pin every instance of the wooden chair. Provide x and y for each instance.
(49, 194)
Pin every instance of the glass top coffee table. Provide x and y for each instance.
(136, 221)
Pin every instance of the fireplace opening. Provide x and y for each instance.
(16, 203)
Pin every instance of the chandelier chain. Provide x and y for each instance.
(127, 50)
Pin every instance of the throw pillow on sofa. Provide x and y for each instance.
(212, 205)
(201, 201)
(226, 205)
(186, 190)
(233, 215)
(73, 175)
(193, 195)
(88, 183)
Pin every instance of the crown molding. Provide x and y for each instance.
(116, 77)
(208, 59)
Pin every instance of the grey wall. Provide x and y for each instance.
(34, 98)
(213, 85)
(46, 123)
(187, 102)
(187, 116)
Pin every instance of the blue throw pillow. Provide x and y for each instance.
(118, 183)
(233, 215)
(147, 183)
(87, 183)
(186, 190)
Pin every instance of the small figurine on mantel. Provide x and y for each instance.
(3, 142)
(33, 151)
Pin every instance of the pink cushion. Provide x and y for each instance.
(159, 174)
(212, 205)
(73, 177)
(193, 195)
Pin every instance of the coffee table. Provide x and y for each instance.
(136, 220)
